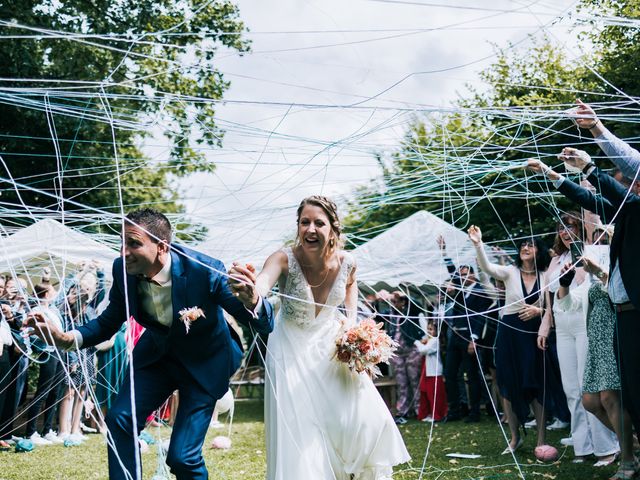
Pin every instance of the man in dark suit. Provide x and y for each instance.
(616, 203)
(466, 321)
(178, 295)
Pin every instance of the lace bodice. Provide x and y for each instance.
(298, 305)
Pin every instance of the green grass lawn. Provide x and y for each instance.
(246, 459)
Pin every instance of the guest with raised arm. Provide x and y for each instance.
(621, 206)
(519, 363)
(623, 155)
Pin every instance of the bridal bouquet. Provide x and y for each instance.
(363, 346)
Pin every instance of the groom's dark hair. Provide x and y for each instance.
(154, 222)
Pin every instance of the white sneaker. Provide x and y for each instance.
(86, 429)
(76, 438)
(53, 437)
(427, 419)
(36, 439)
(216, 424)
(531, 424)
(558, 425)
(567, 442)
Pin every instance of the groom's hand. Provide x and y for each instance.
(48, 332)
(242, 281)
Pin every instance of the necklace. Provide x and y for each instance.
(306, 277)
(527, 271)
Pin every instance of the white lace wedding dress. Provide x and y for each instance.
(323, 422)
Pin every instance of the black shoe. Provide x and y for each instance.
(472, 418)
(453, 418)
(400, 420)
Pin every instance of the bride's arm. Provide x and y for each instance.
(351, 298)
(274, 267)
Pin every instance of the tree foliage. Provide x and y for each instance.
(439, 164)
(70, 68)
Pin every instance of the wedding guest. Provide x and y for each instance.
(622, 207)
(406, 364)
(51, 377)
(519, 364)
(601, 382)
(466, 324)
(433, 395)
(6, 341)
(589, 435)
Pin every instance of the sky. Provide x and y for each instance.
(330, 84)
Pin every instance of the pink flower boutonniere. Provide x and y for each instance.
(189, 315)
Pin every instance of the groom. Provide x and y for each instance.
(154, 282)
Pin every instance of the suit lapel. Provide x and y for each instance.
(178, 286)
(132, 294)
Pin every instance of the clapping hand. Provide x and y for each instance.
(242, 281)
(575, 158)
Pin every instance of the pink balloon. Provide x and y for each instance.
(221, 442)
(546, 453)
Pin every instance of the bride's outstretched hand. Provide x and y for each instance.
(242, 281)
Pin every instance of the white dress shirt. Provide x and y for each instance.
(155, 295)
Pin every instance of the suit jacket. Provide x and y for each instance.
(208, 350)
(410, 329)
(615, 204)
(469, 310)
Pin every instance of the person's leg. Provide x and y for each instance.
(424, 408)
(439, 398)
(21, 381)
(45, 379)
(541, 427)
(189, 430)
(454, 360)
(66, 409)
(414, 368)
(620, 422)
(399, 364)
(628, 340)
(153, 384)
(603, 438)
(5, 380)
(53, 399)
(76, 412)
(568, 358)
(514, 423)
(592, 403)
(471, 366)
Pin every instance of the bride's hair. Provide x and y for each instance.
(331, 210)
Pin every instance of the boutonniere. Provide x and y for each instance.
(188, 315)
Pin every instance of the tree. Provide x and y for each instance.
(451, 164)
(74, 69)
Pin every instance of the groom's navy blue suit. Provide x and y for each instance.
(198, 364)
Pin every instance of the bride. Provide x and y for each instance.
(323, 421)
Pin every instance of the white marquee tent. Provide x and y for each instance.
(408, 253)
(50, 243)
